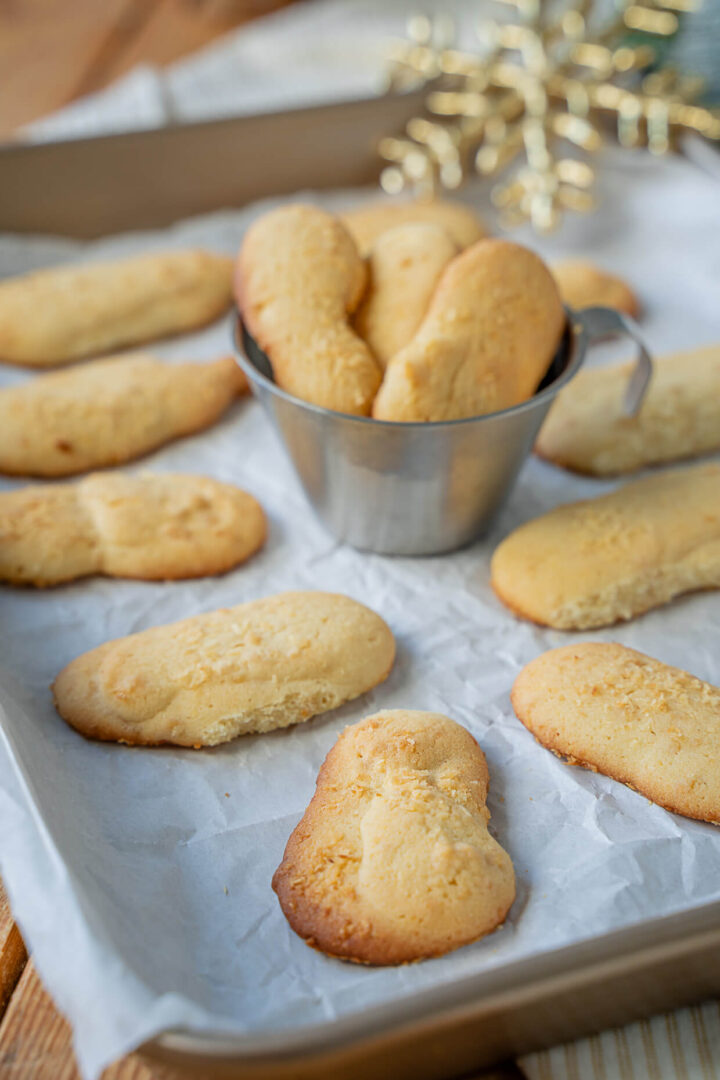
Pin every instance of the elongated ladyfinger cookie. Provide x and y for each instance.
(69, 312)
(299, 278)
(588, 430)
(582, 285)
(404, 266)
(493, 326)
(596, 562)
(367, 223)
(109, 412)
(622, 713)
(160, 527)
(393, 861)
(258, 666)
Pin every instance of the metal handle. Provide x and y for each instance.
(601, 322)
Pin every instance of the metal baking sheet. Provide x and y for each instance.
(450, 628)
(146, 179)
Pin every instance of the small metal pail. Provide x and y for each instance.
(422, 488)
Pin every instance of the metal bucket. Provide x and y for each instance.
(422, 488)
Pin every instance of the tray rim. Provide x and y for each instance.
(174, 128)
(632, 946)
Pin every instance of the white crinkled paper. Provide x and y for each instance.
(141, 878)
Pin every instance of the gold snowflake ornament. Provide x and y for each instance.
(539, 92)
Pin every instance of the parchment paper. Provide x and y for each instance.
(141, 878)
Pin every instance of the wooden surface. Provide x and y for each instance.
(35, 1040)
(52, 51)
(13, 957)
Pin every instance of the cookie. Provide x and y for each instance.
(392, 861)
(588, 430)
(628, 716)
(69, 312)
(203, 681)
(404, 266)
(153, 527)
(582, 284)
(493, 326)
(299, 278)
(597, 562)
(367, 223)
(109, 412)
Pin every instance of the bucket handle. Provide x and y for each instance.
(598, 323)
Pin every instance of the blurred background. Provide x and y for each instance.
(72, 68)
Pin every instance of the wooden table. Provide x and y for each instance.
(35, 1040)
(52, 51)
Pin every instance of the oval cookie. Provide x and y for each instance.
(393, 861)
(367, 223)
(299, 278)
(588, 429)
(70, 312)
(599, 561)
(203, 681)
(582, 285)
(493, 326)
(624, 714)
(150, 527)
(109, 412)
(404, 266)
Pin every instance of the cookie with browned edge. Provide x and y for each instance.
(109, 412)
(153, 527)
(205, 680)
(622, 713)
(602, 560)
(392, 861)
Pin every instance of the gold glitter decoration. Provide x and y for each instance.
(538, 92)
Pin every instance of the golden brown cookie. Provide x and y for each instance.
(109, 412)
(392, 861)
(203, 681)
(597, 562)
(159, 527)
(628, 716)
(582, 284)
(493, 326)
(589, 431)
(299, 278)
(367, 223)
(68, 312)
(404, 267)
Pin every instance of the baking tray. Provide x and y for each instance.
(150, 179)
(631, 973)
(146, 179)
